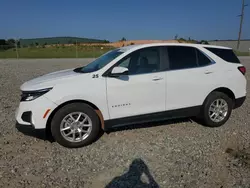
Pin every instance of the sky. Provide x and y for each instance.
(132, 19)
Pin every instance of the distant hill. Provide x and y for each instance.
(58, 40)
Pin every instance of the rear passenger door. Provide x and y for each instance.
(189, 77)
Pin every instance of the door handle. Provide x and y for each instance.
(208, 72)
(157, 78)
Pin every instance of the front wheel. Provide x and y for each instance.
(216, 109)
(75, 125)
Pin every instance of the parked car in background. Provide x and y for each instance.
(135, 84)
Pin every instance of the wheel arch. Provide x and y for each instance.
(224, 90)
(97, 110)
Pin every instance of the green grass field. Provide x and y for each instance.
(65, 52)
(242, 53)
(56, 52)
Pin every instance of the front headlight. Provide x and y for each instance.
(31, 95)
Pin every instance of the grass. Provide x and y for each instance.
(242, 53)
(56, 52)
(66, 52)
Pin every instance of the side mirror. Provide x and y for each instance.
(118, 71)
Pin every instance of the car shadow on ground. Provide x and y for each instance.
(44, 134)
(150, 124)
(36, 133)
(138, 175)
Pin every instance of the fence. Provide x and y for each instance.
(54, 51)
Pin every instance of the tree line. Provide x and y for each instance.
(42, 42)
(190, 40)
(8, 44)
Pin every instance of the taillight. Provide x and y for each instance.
(242, 69)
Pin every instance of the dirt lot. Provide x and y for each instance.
(170, 154)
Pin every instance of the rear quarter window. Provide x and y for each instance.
(202, 59)
(225, 54)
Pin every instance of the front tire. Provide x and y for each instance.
(75, 125)
(216, 109)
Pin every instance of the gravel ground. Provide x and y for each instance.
(172, 154)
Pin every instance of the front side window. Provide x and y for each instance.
(181, 57)
(142, 61)
(125, 62)
(101, 61)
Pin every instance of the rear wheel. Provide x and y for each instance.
(216, 109)
(75, 125)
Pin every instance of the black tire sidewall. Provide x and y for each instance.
(205, 111)
(65, 110)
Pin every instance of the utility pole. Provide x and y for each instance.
(17, 55)
(76, 50)
(241, 22)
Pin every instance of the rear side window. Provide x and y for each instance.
(225, 54)
(181, 57)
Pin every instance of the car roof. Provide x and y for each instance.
(139, 46)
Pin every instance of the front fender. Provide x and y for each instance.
(90, 90)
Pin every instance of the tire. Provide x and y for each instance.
(205, 110)
(63, 120)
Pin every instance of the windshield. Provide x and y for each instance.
(101, 61)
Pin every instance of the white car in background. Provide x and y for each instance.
(135, 84)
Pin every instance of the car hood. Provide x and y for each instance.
(49, 80)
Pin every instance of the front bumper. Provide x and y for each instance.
(32, 113)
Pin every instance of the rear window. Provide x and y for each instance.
(225, 54)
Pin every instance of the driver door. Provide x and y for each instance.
(143, 90)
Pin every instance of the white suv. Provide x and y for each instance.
(135, 84)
